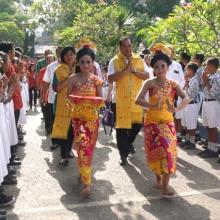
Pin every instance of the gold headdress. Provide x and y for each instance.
(160, 47)
(85, 42)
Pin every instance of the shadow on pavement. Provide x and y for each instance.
(68, 179)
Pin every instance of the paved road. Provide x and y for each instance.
(47, 192)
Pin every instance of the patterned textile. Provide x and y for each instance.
(214, 92)
(85, 131)
(86, 134)
(193, 88)
(160, 133)
(160, 147)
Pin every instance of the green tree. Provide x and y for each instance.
(193, 29)
(7, 6)
(10, 31)
(104, 25)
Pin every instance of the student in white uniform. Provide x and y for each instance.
(4, 141)
(211, 106)
(192, 109)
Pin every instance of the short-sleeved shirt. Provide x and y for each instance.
(40, 65)
(193, 88)
(111, 70)
(214, 91)
(199, 73)
(16, 97)
(176, 73)
(48, 77)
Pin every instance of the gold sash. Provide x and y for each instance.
(127, 89)
(63, 112)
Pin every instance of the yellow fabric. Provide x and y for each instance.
(127, 89)
(161, 115)
(63, 113)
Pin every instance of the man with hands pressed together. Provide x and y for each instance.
(127, 71)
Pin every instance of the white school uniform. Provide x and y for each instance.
(176, 73)
(192, 109)
(13, 139)
(3, 162)
(4, 134)
(22, 118)
(211, 102)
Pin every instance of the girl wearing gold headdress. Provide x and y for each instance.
(159, 126)
(85, 90)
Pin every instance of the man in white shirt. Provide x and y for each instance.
(98, 70)
(176, 73)
(50, 98)
(123, 66)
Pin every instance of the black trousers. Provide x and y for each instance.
(125, 137)
(49, 117)
(17, 115)
(66, 145)
(32, 96)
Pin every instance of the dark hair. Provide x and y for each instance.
(29, 68)
(193, 66)
(199, 57)
(85, 52)
(6, 46)
(105, 68)
(19, 49)
(124, 39)
(213, 61)
(160, 56)
(185, 56)
(65, 51)
(145, 51)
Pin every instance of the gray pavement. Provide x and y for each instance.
(47, 192)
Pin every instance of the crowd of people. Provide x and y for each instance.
(169, 96)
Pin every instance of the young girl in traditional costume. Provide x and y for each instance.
(85, 90)
(159, 126)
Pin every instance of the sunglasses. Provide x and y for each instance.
(159, 66)
(83, 62)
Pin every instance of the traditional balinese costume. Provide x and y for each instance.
(85, 123)
(160, 133)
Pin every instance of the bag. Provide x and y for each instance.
(108, 118)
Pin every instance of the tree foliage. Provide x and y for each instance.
(10, 31)
(103, 24)
(195, 28)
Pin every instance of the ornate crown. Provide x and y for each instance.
(86, 43)
(160, 47)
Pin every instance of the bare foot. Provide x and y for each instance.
(85, 193)
(158, 185)
(167, 194)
